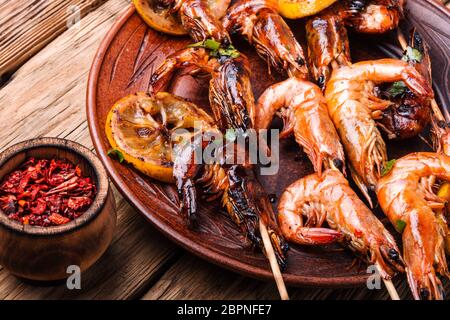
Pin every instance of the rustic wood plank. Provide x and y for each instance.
(27, 26)
(191, 278)
(47, 98)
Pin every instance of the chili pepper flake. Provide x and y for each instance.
(58, 219)
(46, 192)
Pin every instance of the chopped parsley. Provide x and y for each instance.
(387, 167)
(397, 89)
(215, 48)
(400, 225)
(412, 54)
(117, 154)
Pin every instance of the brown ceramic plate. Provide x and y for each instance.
(123, 65)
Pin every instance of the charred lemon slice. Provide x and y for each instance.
(295, 9)
(160, 19)
(139, 127)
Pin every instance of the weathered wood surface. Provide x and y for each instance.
(40, 23)
(46, 97)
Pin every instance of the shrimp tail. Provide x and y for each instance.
(417, 83)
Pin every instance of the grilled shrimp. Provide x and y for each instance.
(304, 111)
(326, 33)
(197, 20)
(409, 113)
(241, 194)
(378, 16)
(329, 198)
(352, 106)
(328, 43)
(259, 22)
(407, 197)
(230, 93)
(232, 102)
(328, 48)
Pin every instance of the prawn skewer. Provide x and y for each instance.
(230, 94)
(243, 198)
(231, 99)
(260, 23)
(352, 105)
(328, 44)
(328, 49)
(329, 198)
(409, 114)
(407, 197)
(441, 133)
(304, 111)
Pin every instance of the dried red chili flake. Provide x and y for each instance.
(46, 192)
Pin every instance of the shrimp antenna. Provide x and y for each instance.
(434, 106)
(273, 261)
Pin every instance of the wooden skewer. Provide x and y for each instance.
(391, 289)
(401, 38)
(273, 261)
(389, 286)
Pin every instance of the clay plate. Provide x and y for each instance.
(123, 65)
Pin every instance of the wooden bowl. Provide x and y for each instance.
(124, 65)
(45, 253)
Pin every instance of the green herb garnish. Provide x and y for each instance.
(209, 44)
(397, 89)
(387, 167)
(117, 154)
(215, 48)
(230, 52)
(412, 54)
(400, 225)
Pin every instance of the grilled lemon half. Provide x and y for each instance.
(295, 9)
(140, 128)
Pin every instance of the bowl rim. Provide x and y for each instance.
(79, 150)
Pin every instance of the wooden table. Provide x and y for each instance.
(45, 56)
